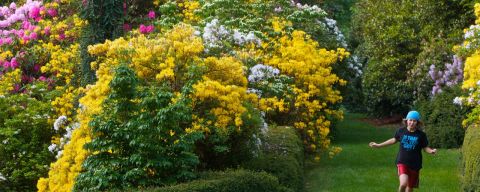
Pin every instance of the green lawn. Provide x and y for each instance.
(361, 168)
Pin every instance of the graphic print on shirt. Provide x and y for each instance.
(409, 142)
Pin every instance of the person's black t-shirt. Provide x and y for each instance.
(411, 145)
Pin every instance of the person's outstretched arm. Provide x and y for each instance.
(430, 150)
(384, 144)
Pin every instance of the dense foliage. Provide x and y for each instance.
(471, 154)
(281, 154)
(117, 95)
(228, 181)
(469, 49)
(400, 41)
(443, 119)
(222, 79)
(148, 146)
(37, 63)
(25, 134)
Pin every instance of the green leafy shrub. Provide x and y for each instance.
(443, 119)
(140, 141)
(281, 155)
(228, 181)
(25, 136)
(471, 159)
(400, 40)
(236, 149)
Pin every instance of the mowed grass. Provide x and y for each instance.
(361, 168)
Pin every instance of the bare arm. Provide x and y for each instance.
(430, 150)
(384, 144)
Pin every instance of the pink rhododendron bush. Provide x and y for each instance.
(173, 88)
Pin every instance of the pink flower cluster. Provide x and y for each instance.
(20, 24)
(9, 64)
(12, 15)
(146, 29)
(151, 14)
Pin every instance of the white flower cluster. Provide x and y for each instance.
(471, 36)
(278, 9)
(261, 72)
(355, 65)
(458, 101)
(2, 178)
(332, 25)
(61, 121)
(242, 38)
(307, 7)
(470, 32)
(214, 36)
(254, 91)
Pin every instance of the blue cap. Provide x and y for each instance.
(413, 115)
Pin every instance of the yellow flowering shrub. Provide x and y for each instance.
(62, 61)
(300, 57)
(8, 80)
(477, 13)
(227, 70)
(155, 59)
(471, 72)
(189, 7)
(471, 75)
(225, 101)
(63, 172)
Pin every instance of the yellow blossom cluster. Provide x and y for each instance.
(149, 57)
(189, 7)
(225, 101)
(477, 13)
(471, 71)
(223, 90)
(155, 58)
(5, 54)
(279, 24)
(227, 70)
(63, 105)
(63, 172)
(62, 61)
(273, 103)
(300, 57)
(8, 80)
(471, 78)
(59, 30)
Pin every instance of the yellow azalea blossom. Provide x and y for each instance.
(300, 57)
(8, 80)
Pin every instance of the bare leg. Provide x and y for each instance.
(403, 182)
(409, 189)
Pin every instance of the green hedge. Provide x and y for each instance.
(228, 181)
(281, 155)
(471, 159)
(443, 119)
(278, 165)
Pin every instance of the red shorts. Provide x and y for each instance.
(413, 179)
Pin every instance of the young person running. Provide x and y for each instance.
(409, 157)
